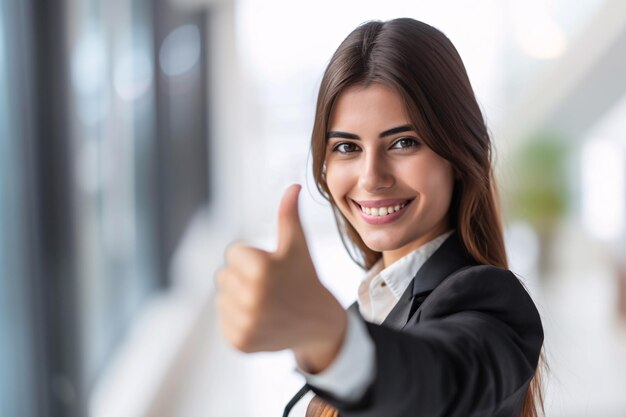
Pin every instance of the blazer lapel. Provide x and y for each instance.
(451, 256)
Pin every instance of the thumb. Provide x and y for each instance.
(290, 232)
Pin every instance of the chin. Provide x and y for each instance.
(382, 245)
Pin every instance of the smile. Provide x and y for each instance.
(383, 211)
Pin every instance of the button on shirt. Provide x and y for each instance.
(353, 370)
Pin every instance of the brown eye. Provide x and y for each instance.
(345, 148)
(404, 143)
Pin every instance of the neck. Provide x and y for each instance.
(391, 256)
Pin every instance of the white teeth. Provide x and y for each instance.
(382, 211)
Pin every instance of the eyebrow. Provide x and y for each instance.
(389, 132)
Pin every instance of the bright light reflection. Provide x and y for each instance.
(536, 31)
(180, 50)
(89, 77)
(89, 64)
(133, 74)
(603, 188)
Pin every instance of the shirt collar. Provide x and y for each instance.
(399, 275)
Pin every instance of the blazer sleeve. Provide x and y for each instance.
(470, 349)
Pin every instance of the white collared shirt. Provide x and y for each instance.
(381, 288)
(353, 370)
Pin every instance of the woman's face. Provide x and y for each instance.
(392, 188)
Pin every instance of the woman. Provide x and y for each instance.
(441, 327)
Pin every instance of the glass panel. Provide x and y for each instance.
(112, 89)
(16, 347)
(4, 272)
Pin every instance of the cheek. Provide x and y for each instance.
(442, 181)
(434, 178)
(337, 181)
(441, 185)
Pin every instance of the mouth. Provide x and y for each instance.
(382, 210)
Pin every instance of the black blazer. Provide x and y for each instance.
(462, 341)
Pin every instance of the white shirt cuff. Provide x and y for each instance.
(353, 370)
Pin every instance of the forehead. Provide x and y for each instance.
(375, 106)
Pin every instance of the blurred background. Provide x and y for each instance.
(139, 137)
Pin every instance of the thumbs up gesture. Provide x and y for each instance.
(273, 301)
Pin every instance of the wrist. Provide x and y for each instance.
(315, 355)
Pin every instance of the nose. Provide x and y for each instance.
(376, 173)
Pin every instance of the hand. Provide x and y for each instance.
(273, 301)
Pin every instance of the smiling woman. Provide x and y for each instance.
(441, 326)
(383, 165)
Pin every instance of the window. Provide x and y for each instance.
(112, 97)
(96, 186)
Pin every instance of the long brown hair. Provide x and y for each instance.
(421, 64)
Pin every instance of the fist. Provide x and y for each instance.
(269, 301)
